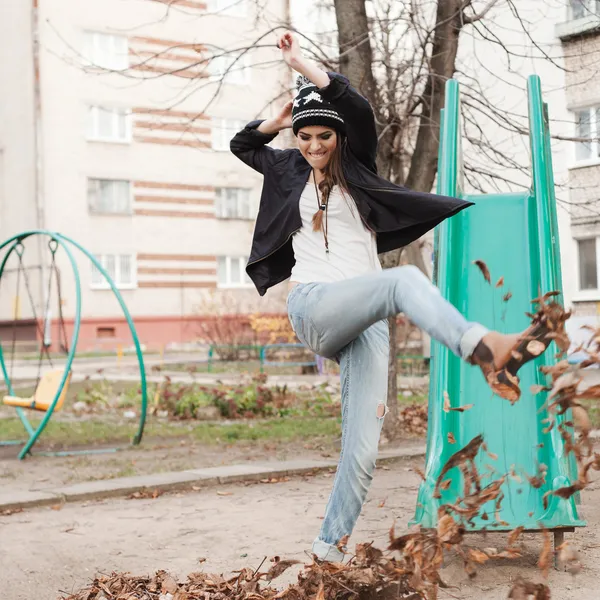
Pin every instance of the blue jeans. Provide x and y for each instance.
(346, 321)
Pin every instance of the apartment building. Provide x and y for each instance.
(115, 123)
(579, 33)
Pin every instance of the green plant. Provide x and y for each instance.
(95, 393)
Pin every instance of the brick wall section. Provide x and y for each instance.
(585, 309)
(584, 184)
(582, 62)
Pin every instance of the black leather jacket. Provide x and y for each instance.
(396, 214)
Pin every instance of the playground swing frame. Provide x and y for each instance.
(64, 242)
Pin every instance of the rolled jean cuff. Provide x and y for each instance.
(470, 339)
(324, 551)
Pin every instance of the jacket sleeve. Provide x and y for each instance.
(250, 146)
(358, 116)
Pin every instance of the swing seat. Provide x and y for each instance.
(44, 393)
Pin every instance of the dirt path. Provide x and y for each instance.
(44, 551)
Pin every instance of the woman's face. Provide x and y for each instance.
(317, 144)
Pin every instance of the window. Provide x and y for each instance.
(230, 8)
(223, 130)
(120, 269)
(588, 263)
(231, 271)
(106, 50)
(584, 8)
(587, 125)
(109, 124)
(232, 203)
(109, 196)
(231, 68)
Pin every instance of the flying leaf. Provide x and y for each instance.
(546, 553)
(281, 566)
(507, 296)
(451, 438)
(500, 282)
(484, 270)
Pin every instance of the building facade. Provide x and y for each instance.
(114, 131)
(579, 33)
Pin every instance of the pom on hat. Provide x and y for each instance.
(302, 81)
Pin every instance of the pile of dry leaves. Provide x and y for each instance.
(410, 567)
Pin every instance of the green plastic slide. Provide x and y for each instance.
(516, 235)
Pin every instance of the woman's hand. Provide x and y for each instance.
(292, 55)
(290, 49)
(284, 118)
(282, 121)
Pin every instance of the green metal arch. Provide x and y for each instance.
(64, 242)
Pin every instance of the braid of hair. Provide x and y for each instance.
(325, 188)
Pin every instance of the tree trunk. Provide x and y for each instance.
(356, 63)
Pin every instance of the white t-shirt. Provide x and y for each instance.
(352, 247)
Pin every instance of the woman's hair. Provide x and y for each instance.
(333, 175)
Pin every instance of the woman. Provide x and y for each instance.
(324, 216)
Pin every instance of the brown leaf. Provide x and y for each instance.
(451, 438)
(222, 493)
(420, 473)
(448, 407)
(582, 419)
(281, 566)
(320, 592)
(447, 404)
(546, 553)
(535, 347)
(169, 585)
(568, 557)
(507, 296)
(514, 535)
(449, 531)
(445, 484)
(526, 590)
(478, 556)
(484, 270)
(500, 282)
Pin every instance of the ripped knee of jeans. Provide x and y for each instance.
(382, 410)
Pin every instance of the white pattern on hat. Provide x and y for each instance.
(313, 96)
(316, 112)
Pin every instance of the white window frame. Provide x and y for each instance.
(245, 280)
(97, 211)
(102, 284)
(240, 75)
(117, 60)
(242, 198)
(93, 134)
(223, 130)
(587, 295)
(594, 159)
(591, 8)
(229, 8)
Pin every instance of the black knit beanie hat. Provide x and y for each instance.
(310, 108)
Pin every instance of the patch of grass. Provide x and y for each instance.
(419, 398)
(593, 408)
(95, 432)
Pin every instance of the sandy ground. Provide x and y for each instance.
(45, 551)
